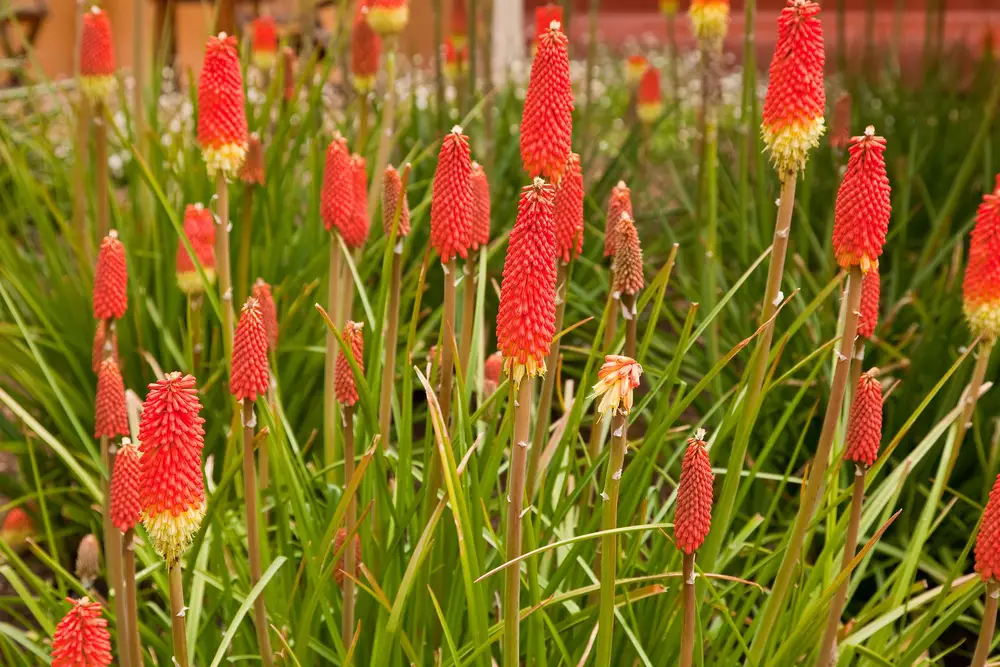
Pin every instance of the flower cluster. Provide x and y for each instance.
(693, 517)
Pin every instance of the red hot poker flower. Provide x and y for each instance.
(864, 425)
(356, 236)
(840, 132)
(17, 528)
(126, 506)
(343, 376)
(547, 122)
(864, 204)
(710, 19)
(492, 368)
(569, 211)
(268, 312)
(199, 228)
(870, 290)
(222, 120)
(526, 318)
(265, 42)
(459, 24)
(252, 171)
(628, 257)
(981, 286)
(694, 496)
(794, 104)
(338, 544)
(337, 194)
(616, 381)
(81, 638)
(649, 99)
(111, 279)
(480, 207)
(171, 484)
(451, 198)
(988, 540)
(388, 17)
(97, 55)
(392, 190)
(110, 415)
(365, 49)
(250, 374)
(619, 202)
(456, 59)
(100, 336)
(635, 67)
(544, 16)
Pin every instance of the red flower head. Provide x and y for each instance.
(480, 207)
(544, 16)
(649, 99)
(864, 204)
(265, 42)
(268, 312)
(526, 319)
(365, 49)
(492, 368)
(222, 120)
(343, 377)
(870, 289)
(459, 24)
(864, 425)
(569, 211)
(693, 516)
(392, 190)
(337, 194)
(250, 375)
(252, 171)
(111, 279)
(171, 485)
(635, 67)
(97, 55)
(840, 133)
(619, 202)
(288, 73)
(110, 416)
(338, 544)
(17, 528)
(356, 236)
(710, 19)
(456, 60)
(199, 228)
(451, 199)
(988, 540)
(388, 17)
(82, 638)
(547, 123)
(628, 257)
(126, 506)
(981, 287)
(100, 337)
(795, 100)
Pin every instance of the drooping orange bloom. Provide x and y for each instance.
(388, 17)
(492, 368)
(81, 638)
(100, 337)
(649, 99)
(366, 46)
(343, 376)
(17, 528)
(392, 190)
(864, 424)
(222, 120)
(110, 415)
(97, 55)
(288, 60)
(459, 24)
(456, 60)
(252, 171)
(569, 211)
(864, 204)
(635, 67)
(840, 132)
(793, 107)
(693, 517)
(480, 207)
(544, 16)
(359, 206)
(547, 122)
(981, 286)
(619, 202)
(337, 194)
(988, 540)
(126, 505)
(199, 228)
(526, 318)
(338, 544)
(171, 485)
(628, 257)
(709, 19)
(265, 42)
(111, 279)
(268, 312)
(250, 374)
(870, 292)
(451, 198)
(616, 381)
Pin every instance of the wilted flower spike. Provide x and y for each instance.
(988, 540)
(110, 415)
(618, 377)
(388, 17)
(392, 190)
(337, 193)
(649, 99)
(628, 257)
(480, 207)
(199, 228)
(81, 638)
(794, 104)
(250, 375)
(252, 171)
(265, 42)
(569, 211)
(526, 318)
(97, 55)
(222, 120)
(365, 49)
(338, 543)
(111, 279)
(97, 353)
(693, 516)
(343, 377)
(451, 198)
(870, 291)
(864, 204)
(981, 286)
(709, 19)
(268, 312)
(619, 202)
(88, 560)
(864, 425)
(547, 122)
(126, 504)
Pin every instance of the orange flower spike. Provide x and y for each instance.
(455, 59)
(480, 207)
(17, 528)
(388, 17)
(987, 554)
(171, 485)
(252, 170)
(459, 25)
(222, 120)
(628, 257)
(199, 228)
(619, 202)
(709, 19)
(569, 211)
(337, 193)
(392, 190)
(357, 234)
(250, 375)
(100, 337)
(649, 99)
(265, 42)
(126, 506)
(635, 67)
(111, 279)
(343, 376)
(864, 424)
(268, 312)
(110, 415)
(547, 122)
(492, 369)
(526, 317)
(864, 204)
(793, 106)
(451, 198)
(616, 380)
(97, 55)
(840, 133)
(366, 46)
(693, 516)
(81, 638)
(870, 292)
(981, 285)
(338, 544)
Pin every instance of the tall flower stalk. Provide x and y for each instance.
(988, 566)
(396, 224)
(126, 510)
(253, 177)
(98, 82)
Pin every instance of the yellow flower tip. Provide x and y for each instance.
(984, 320)
(264, 60)
(172, 533)
(710, 20)
(363, 84)
(649, 112)
(388, 21)
(517, 370)
(634, 69)
(789, 144)
(98, 88)
(616, 380)
(849, 259)
(227, 159)
(190, 283)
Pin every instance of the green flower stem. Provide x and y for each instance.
(519, 444)
(330, 445)
(253, 531)
(989, 625)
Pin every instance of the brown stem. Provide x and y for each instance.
(101, 170)
(857, 361)
(687, 627)
(194, 327)
(515, 503)
(243, 261)
(253, 531)
(83, 123)
(391, 336)
(347, 289)
(113, 541)
(223, 270)
(329, 395)
(468, 310)
(177, 615)
(989, 625)
(970, 397)
(347, 629)
(631, 322)
(128, 570)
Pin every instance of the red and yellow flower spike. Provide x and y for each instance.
(480, 207)
(693, 517)
(343, 377)
(268, 312)
(459, 25)
(250, 375)
(111, 279)
(619, 202)
(100, 337)
(616, 380)
(981, 285)
(668, 7)
(864, 424)
(110, 413)
(222, 120)
(793, 107)
(628, 257)
(81, 638)
(126, 505)
(359, 209)
(392, 190)
(451, 198)
(526, 318)
(388, 17)
(649, 98)
(864, 204)
(171, 484)
(635, 67)
(17, 528)
(456, 60)
(97, 56)
(199, 228)
(709, 19)
(365, 49)
(871, 289)
(264, 49)
(336, 197)
(569, 211)
(547, 122)
(987, 554)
